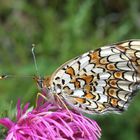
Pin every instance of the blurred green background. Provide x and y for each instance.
(61, 30)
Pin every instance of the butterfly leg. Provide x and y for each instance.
(39, 100)
(65, 106)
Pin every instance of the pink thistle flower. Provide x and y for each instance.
(49, 122)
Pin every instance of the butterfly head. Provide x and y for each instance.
(42, 82)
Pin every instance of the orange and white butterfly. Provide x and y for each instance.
(100, 81)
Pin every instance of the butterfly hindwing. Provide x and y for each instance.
(100, 81)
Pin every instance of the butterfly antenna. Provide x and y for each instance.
(34, 58)
(3, 77)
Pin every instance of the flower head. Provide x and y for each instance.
(49, 122)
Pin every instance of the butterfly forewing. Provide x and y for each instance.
(100, 81)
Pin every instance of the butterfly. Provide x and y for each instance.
(99, 81)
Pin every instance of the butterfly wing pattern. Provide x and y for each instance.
(100, 81)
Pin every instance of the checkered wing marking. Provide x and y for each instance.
(100, 81)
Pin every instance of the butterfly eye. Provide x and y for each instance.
(40, 83)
